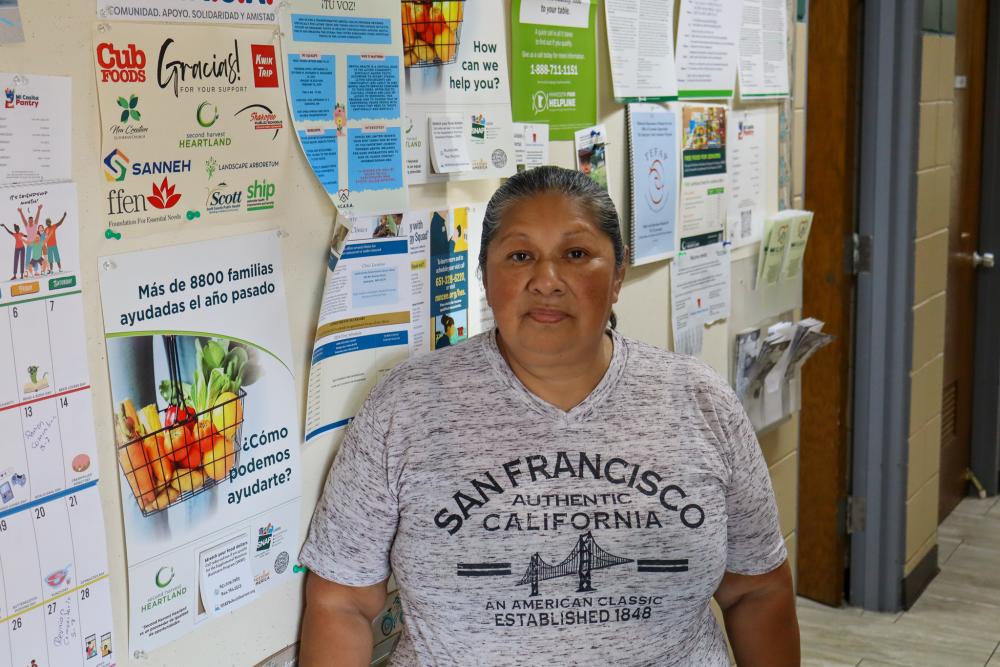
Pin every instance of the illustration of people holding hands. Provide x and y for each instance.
(51, 247)
(19, 239)
(31, 233)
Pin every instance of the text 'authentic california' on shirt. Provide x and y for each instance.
(522, 534)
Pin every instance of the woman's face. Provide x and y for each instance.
(551, 278)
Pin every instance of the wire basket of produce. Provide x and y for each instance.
(170, 455)
(431, 31)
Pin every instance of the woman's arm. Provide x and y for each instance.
(337, 624)
(760, 617)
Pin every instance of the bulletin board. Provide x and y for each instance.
(58, 42)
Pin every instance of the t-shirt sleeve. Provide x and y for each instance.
(355, 519)
(754, 544)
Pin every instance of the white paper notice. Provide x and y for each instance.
(565, 13)
(763, 61)
(531, 145)
(35, 129)
(699, 294)
(245, 11)
(641, 45)
(449, 150)
(707, 48)
(225, 576)
(746, 159)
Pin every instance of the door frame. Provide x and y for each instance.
(890, 95)
(985, 444)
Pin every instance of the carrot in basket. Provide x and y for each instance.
(132, 455)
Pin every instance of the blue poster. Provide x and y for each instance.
(449, 278)
(321, 152)
(374, 159)
(372, 88)
(313, 86)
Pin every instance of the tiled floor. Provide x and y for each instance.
(956, 622)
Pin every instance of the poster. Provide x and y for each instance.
(397, 284)
(773, 247)
(703, 176)
(708, 35)
(592, 153)
(699, 294)
(641, 47)
(55, 596)
(261, 12)
(554, 64)
(206, 424)
(763, 56)
(456, 66)
(747, 165)
(11, 29)
(531, 145)
(193, 124)
(653, 156)
(35, 124)
(343, 64)
(364, 321)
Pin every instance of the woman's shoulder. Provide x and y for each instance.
(443, 369)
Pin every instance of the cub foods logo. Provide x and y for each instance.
(119, 65)
(164, 576)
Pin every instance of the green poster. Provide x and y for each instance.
(554, 64)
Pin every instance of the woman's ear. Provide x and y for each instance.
(619, 279)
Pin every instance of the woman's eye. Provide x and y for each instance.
(519, 256)
(577, 253)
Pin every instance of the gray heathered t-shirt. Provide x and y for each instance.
(520, 534)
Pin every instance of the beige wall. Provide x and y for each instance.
(930, 282)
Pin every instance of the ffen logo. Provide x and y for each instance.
(163, 195)
(115, 166)
(164, 576)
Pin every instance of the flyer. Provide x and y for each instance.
(641, 47)
(531, 145)
(262, 12)
(193, 124)
(343, 64)
(364, 322)
(708, 35)
(703, 176)
(207, 437)
(554, 64)
(11, 29)
(591, 153)
(747, 162)
(773, 247)
(653, 157)
(397, 284)
(763, 55)
(699, 294)
(55, 597)
(36, 126)
(456, 66)
(801, 223)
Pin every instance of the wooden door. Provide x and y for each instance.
(827, 288)
(963, 241)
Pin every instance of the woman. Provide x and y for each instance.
(580, 500)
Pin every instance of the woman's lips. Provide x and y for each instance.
(547, 315)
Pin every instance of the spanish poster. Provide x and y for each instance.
(189, 11)
(554, 64)
(36, 125)
(193, 123)
(703, 176)
(343, 65)
(206, 428)
(456, 66)
(55, 596)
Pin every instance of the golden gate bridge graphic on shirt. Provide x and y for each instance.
(585, 557)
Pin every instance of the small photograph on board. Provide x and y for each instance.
(704, 127)
(387, 225)
(591, 153)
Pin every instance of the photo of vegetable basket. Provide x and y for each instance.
(431, 31)
(170, 455)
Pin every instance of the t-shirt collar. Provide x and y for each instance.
(580, 412)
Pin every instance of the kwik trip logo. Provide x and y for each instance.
(118, 65)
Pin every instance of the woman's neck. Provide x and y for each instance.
(564, 383)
